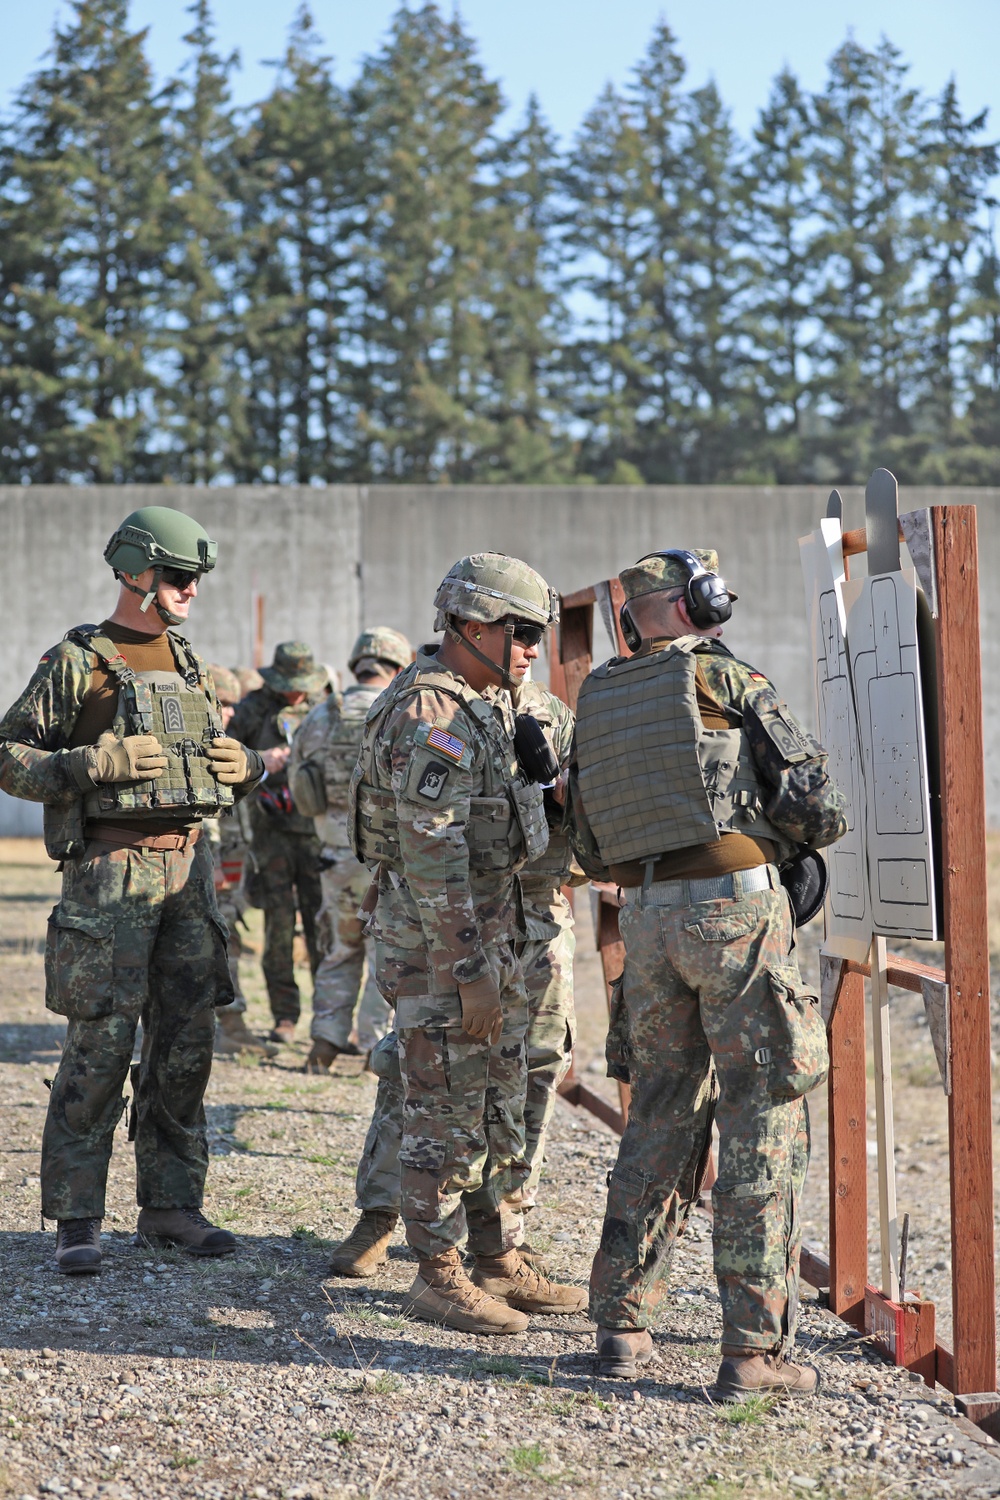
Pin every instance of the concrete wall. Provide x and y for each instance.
(329, 560)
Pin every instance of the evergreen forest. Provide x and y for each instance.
(389, 281)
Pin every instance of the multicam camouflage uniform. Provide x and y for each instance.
(285, 851)
(547, 962)
(324, 753)
(435, 788)
(713, 981)
(136, 934)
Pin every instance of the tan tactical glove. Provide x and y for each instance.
(227, 761)
(482, 1017)
(138, 757)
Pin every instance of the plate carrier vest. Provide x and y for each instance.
(506, 824)
(180, 708)
(652, 778)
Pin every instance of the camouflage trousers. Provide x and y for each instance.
(286, 880)
(231, 908)
(344, 988)
(548, 975)
(703, 983)
(136, 935)
(461, 1153)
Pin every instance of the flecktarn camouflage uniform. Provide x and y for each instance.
(547, 963)
(136, 934)
(714, 1017)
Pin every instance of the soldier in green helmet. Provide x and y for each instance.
(443, 815)
(120, 735)
(705, 785)
(324, 753)
(284, 858)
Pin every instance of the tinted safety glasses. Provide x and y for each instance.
(527, 635)
(180, 578)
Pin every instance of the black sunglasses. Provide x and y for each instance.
(180, 578)
(528, 635)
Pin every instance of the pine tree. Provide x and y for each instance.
(721, 418)
(202, 403)
(608, 229)
(298, 182)
(961, 167)
(870, 171)
(529, 322)
(781, 195)
(428, 251)
(81, 257)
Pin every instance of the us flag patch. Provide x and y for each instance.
(448, 744)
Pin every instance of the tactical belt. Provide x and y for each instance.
(716, 888)
(126, 838)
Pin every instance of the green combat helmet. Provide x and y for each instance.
(380, 644)
(157, 537)
(490, 587)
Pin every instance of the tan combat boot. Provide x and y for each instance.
(742, 1375)
(367, 1246)
(510, 1279)
(442, 1293)
(233, 1036)
(187, 1228)
(282, 1031)
(620, 1351)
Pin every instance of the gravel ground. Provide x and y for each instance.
(258, 1376)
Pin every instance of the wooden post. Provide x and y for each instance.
(966, 936)
(885, 1135)
(847, 1093)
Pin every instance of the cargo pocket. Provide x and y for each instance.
(724, 926)
(616, 1048)
(223, 992)
(624, 1237)
(790, 1036)
(383, 1059)
(79, 962)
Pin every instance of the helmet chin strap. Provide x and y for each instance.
(503, 672)
(149, 597)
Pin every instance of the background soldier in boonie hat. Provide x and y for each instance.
(284, 854)
(229, 835)
(706, 786)
(120, 734)
(324, 754)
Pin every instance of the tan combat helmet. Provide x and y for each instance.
(490, 587)
(378, 646)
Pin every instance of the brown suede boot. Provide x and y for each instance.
(186, 1228)
(442, 1293)
(233, 1036)
(510, 1279)
(621, 1350)
(367, 1246)
(742, 1375)
(282, 1031)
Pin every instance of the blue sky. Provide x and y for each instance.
(566, 50)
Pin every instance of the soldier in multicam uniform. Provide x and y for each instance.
(284, 854)
(707, 784)
(547, 963)
(324, 754)
(119, 734)
(441, 810)
(229, 836)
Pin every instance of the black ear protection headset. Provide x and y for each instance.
(706, 596)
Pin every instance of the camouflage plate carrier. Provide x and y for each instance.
(506, 827)
(180, 708)
(652, 779)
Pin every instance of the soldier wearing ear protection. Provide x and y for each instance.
(705, 785)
